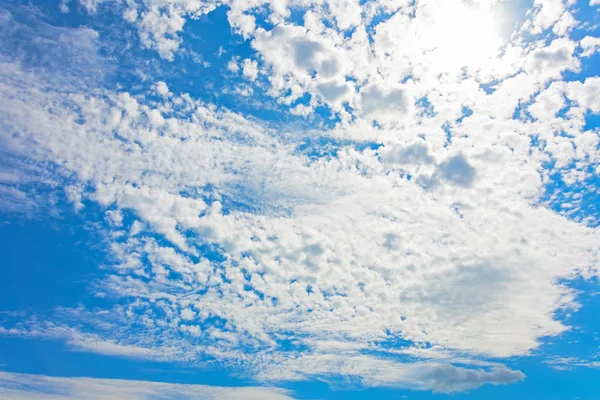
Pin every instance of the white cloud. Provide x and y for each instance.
(550, 61)
(347, 13)
(546, 13)
(395, 243)
(415, 153)
(590, 46)
(250, 69)
(585, 94)
(241, 22)
(335, 91)
(385, 102)
(457, 171)
(437, 237)
(441, 378)
(64, 6)
(115, 217)
(548, 103)
(293, 48)
(26, 386)
(91, 6)
(569, 363)
(162, 89)
(233, 66)
(187, 314)
(297, 58)
(159, 23)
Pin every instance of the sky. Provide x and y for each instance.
(300, 199)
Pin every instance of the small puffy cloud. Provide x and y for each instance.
(447, 378)
(335, 91)
(250, 69)
(161, 88)
(241, 22)
(590, 45)
(130, 14)
(565, 23)
(302, 110)
(415, 153)
(546, 13)
(155, 117)
(550, 61)
(585, 94)
(384, 101)
(75, 196)
(159, 31)
(298, 60)
(457, 171)
(91, 6)
(160, 24)
(63, 6)
(114, 217)
(347, 13)
(291, 48)
(233, 65)
(548, 103)
(187, 314)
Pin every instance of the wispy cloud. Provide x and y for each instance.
(15, 386)
(570, 363)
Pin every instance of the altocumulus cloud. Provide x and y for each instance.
(401, 248)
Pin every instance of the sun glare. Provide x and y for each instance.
(463, 36)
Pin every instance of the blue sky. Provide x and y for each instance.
(294, 199)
